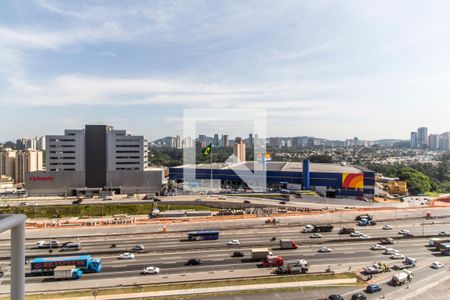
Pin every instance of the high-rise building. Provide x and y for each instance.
(422, 137)
(225, 141)
(40, 143)
(444, 141)
(216, 140)
(250, 139)
(178, 142)
(355, 141)
(27, 161)
(26, 143)
(433, 142)
(413, 141)
(7, 162)
(239, 149)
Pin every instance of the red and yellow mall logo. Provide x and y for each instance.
(41, 178)
(353, 180)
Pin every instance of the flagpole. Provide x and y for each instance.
(211, 168)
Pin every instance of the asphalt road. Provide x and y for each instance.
(170, 252)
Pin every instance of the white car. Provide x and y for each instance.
(316, 236)
(378, 247)
(41, 244)
(324, 249)
(364, 236)
(138, 248)
(443, 233)
(397, 256)
(234, 243)
(437, 265)
(356, 234)
(127, 255)
(387, 227)
(403, 231)
(390, 251)
(150, 270)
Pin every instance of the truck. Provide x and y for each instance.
(445, 249)
(376, 268)
(47, 265)
(288, 244)
(294, 268)
(366, 222)
(67, 272)
(271, 261)
(386, 241)
(318, 228)
(260, 253)
(434, 241)
(346, 230)
(365, 216)
(402, 278)
(408, 263)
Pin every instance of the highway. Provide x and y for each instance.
(170, 251)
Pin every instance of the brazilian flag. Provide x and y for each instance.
(207, 150)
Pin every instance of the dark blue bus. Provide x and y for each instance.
(203, 235)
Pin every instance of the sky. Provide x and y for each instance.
(331, 69)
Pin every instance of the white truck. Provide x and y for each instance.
(67, 272)
(402, 278)
(260, 253)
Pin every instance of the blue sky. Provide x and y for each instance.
(333, 69)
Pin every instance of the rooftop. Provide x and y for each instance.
(283, 166)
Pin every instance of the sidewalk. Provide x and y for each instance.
(224, 289)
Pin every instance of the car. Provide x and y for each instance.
(282, 202)
(397, 256)
(138, 248)
(377, 247)
(444, 233)
(365, 237)
(387, 227)
(403, 231)
(42, 244)
(437, 265)
(390, 251)
(247, 202)
(359, 296)
(373, 288)
(193, 262)
(24, 204)
(238, 254)
(55, 244)
(150, 270)
(335, 297)
(324, 249)
(316, 236)
(77, 201)
(355, 234)
(408, 235)
(127, 255)
(233, 243)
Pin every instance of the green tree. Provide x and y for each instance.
(418, 183)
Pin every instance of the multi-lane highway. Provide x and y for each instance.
(170, 251)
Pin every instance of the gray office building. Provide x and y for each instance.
(92, 160)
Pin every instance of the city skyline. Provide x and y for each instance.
(66, 64)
